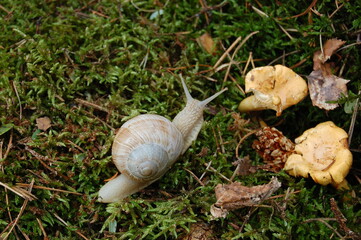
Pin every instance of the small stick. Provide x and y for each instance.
(247, 63)
(215, 171)
(221, 140)
(281, 57)
(67, 225)
(92, 105)
(99, 14)
(204, 173)
(235, 52)
(48, 188)
(17, 95)
(342, 220)
(4, 9)
(303, 13)
(238, 86)
(226, 52)
(194, 176)
(46, 166)
(21, 211)
(42, 229)
(242, 140)
(353, 119)
(337, 9)
(323, 220)
(20, 192)
(216, 139)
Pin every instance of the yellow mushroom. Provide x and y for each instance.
(321, 152)
(275, 88)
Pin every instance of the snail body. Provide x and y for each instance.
(146, 146)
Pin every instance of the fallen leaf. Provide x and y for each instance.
(330, 47)
(43, 123)
(244, 166)
(324, 89)
(207, 43)
(273, 147)
(322, 84)
(235, 195)
(218, 212)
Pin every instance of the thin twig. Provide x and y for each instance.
(92, 105)
(247, 63)
(323, 220)
(303, 13)
(281, 57)
(17, 95)
(353, 118)
(205, 171)
(221, 143)
(342, 220)
(20, 192)
(235, 52)
(242, 140)
(42, 229)
(194, 176)
(226, 52)
(45, 165)
(337, 9)
(146, 10)
(237, 85)
(215, 171)
(67, 225)
(216, 139)
(20, 213)
(48, 188)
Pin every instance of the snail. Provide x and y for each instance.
(147, 145)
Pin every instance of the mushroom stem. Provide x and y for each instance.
(119, 188)
(251, 103)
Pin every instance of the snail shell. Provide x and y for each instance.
(147, 146)
(144, 154)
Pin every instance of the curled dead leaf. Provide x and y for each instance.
(322, 84)
(43, 123)
(235, 195)
(324, 89)
(329, 48)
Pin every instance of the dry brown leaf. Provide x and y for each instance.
(244, 166)
(235, 195)
(207, 43)
(330, 47)
(273, 147)
(43, 123)
(322, 84)
(326, 88)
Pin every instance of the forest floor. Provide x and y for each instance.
(72, 72)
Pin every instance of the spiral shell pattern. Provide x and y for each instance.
(146, 146)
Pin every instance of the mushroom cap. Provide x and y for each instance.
(274, 87)
(321, 152)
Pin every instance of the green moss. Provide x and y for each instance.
(112, 55)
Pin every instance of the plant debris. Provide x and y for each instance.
(200, 231)
(235, 195)
(324, 86)
(207, 43)
(43, 123)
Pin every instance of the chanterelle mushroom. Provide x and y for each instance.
(321, 152)
(274, 88)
